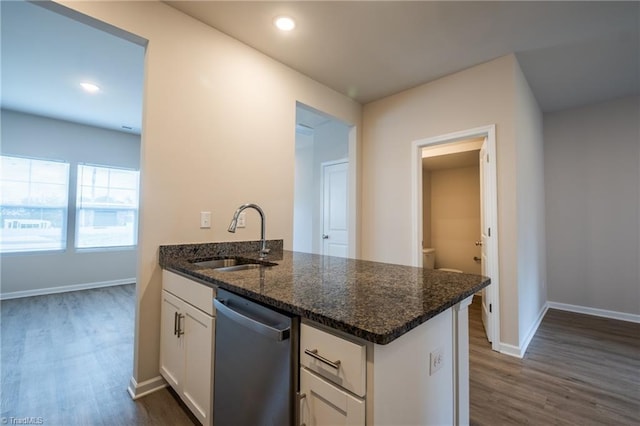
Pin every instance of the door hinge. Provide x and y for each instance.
(490, 308)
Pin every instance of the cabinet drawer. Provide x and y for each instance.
(199, 295)
(325, 404)
(320, 352)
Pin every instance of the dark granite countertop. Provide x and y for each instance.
(378, 302)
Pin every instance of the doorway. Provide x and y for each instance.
(480, 143)
(324, 187)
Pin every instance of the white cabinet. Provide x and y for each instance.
(325, 404)
(187, 342)
(332, 379)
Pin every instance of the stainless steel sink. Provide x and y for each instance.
(240, 267)
(217, 263)
(230, 264)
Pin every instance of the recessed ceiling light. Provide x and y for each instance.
(284, 23)
(90, 87)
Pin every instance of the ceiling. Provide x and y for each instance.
(572, 53)
(46, 55)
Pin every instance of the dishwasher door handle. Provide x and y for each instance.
(257, 326)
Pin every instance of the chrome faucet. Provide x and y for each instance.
(234, 223)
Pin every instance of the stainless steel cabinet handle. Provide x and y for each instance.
(175, 323)
(325, 237)
(300, 397)
(238, 317)
(180, 331)
(314, 354)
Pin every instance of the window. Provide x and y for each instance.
(33, 204)
(107, 207)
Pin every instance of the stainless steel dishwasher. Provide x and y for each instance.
(256, 360)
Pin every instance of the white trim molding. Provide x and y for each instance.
(461, 361)
(524, 343)
(138, 390)
(520, 351)
(491, 197)
(64, 288)
(621, 316)
(510, 350)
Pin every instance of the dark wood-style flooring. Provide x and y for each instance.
(67, 358)
(578, 370)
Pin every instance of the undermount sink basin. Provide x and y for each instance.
(230, 264)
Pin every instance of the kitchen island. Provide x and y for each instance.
(412, 321)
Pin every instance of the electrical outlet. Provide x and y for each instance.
(436, 361)
(242, 221)
(205, 219)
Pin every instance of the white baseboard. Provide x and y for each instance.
(519, 351)
(64, 288)
(622, 316)
(510, 350)
(138, 390)
(524, 344)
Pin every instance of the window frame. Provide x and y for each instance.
(77, 208)
(64, 233)
(70, 228)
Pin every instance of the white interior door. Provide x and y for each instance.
(335, 217)
(487, 307)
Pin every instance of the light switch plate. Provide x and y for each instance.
(205, 220)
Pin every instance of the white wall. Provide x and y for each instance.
(476, 97)
(303, 204)
(532, 295)
(592, 170)
(328, 142)
(491, 93)
(455, 217)
(44, 138)
(218, 131)
(331, 143)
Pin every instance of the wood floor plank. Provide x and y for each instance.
(578, 370)
(67, 358)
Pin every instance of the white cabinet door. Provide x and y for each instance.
(327, 405)
(171, 347)
(335, 213)
(186, 354)
(197, 386)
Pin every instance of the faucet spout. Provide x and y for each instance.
(234, 223)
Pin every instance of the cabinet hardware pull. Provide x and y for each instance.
(314, 354)
(300, 397)
(175, 323)
(180, 331)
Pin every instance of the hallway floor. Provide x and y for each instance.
(578, 370)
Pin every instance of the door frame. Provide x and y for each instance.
(490, 198)
(323, 165)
